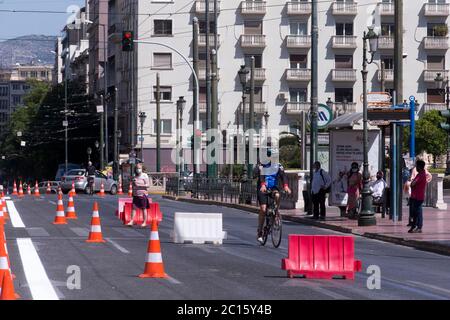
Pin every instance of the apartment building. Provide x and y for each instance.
(277, 34)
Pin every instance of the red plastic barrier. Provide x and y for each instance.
(154, 212)
(321, 257)
(120, 206)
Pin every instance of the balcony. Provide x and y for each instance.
(433, 106)
(202, 40)
(436, 9)
(202, 73)
(343, 75)
(344, 42)
(387, 9)
(202, 106)
(260, 74)
(298, 75)
(345, 8)
(345, 107)
(386, 42)
(388, 75)
(260, 107)
(298, 8)
(430, 75)
(297, 107)
(253, 8)
(435, 43)
(253, 41)
(298, 42)
(200, 7)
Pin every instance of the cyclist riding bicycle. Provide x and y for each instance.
(91, 177)
(268, 176)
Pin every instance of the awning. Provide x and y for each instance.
(348, 120)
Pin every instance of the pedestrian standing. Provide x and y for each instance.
(320, 187)
(418, 186)
(407, 189)
(354, 181)
(141, 183)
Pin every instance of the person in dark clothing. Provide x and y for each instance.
(90, 172)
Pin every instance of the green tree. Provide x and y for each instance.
(290, 152)
(429, 136)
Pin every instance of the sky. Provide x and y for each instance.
(19, 24)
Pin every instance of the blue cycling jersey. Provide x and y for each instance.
(271, 173)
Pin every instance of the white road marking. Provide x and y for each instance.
(52, 202)
(81, 232)
(117, 246)
(429, 286)
(14, 215)
(38, 281)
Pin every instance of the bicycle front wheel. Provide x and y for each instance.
(276, 230)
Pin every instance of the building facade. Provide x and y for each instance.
(277, 35)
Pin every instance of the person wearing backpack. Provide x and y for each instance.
(321, 183)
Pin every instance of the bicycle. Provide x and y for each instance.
(91, 181)
(273, 221)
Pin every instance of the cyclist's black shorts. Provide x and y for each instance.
(265, 198)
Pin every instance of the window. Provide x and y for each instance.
(437, 1)
(435, 62)
(25, 87)
(162, 27)
(33, 74)
(388, 63)
(4, 105)
(16, 87)
(435, 95)
(165, 93)
(202, 94)
(202, 26)
(166, 126)
(162, 60)
(3, 91)
(258, 95)
(341, 94)
(343, 62)
(258, 60)
(437, 30)
(344, 29)
(388, 29)
(252, 27)
(43, 74)
(298, 61)
(16, 99)
(23, 74)
(297, 94)
(298, 28)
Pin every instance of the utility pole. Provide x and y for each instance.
(105, 73)
(158, 125)
(383, 87)
(195, 119)
(102, 142)
(398, 50)
(116, 128)
(66, 124)
(314, 95)
(214, 109)
(251, 116)
(208, 85)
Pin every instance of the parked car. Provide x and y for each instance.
(43, 187)
(78, 176)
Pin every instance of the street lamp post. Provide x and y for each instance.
(367, 217)
(243, 78)
(181, 103)
(440, 82)
(142, 117)
(89, 152)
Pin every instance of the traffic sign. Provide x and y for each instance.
(324, 116)
(412, 98)
(378, 99)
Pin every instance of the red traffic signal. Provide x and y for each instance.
(127, 41)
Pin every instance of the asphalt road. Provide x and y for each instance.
(237, 269)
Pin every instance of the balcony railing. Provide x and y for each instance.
(260, 74)
(202, 106)
(253, 41)
(343, 75)
(347, 107)
(440, 43)
(345, 8)
(297, 107)
(260, 107)
(437, 9)
(200, 6)
(387, 9)
(298, 41)
(202, 40)
(253, 7)
(344, 42)
(298, 74)
(434, 106)
(388, 75)
(299, 8)
(386, 42)
(202, 73)
(430, 75)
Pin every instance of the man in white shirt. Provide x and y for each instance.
(320, 184)
(377, 187)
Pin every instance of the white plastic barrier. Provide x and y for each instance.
(191, 227)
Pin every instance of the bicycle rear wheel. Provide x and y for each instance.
(276, 230)
(266, 229)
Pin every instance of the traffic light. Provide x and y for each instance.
(127, 41)
(445, 125)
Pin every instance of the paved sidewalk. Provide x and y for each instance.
(435, 236)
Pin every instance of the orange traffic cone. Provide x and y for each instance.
(96, 230)
(120, 191)
(49, 189)
(36, 190)
(70, 213)
(4, 253)
(2, 218)
(130, 190)
(5, 208)
(15, 189)
(20, 189)
(73, 191)
(29, 190)
(59, 190)
(7, 287)
(102, 190)
(60, 218)
(154, 267)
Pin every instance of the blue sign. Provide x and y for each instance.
(412, 98)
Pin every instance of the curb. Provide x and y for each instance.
(419, 245)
